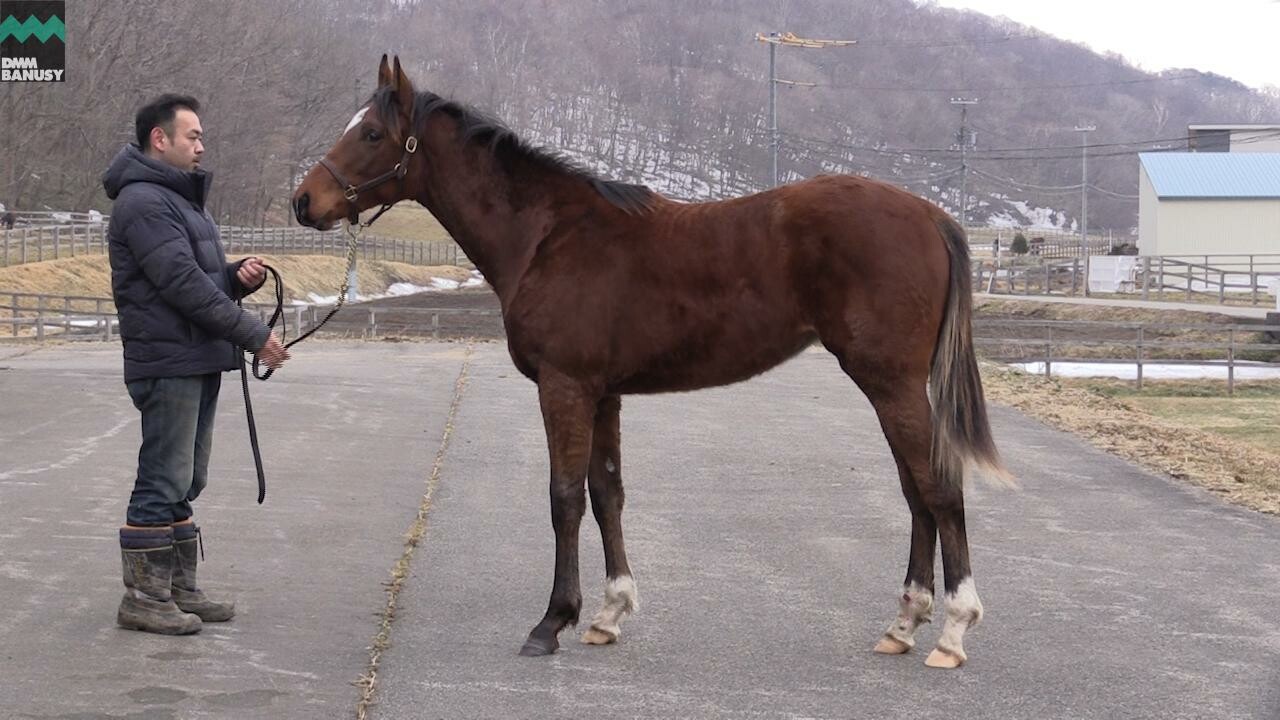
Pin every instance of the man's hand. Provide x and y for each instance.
(251, 273)
(273, 352)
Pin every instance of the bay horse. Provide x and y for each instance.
(609, 289)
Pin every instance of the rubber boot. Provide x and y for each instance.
(188, 596)
(147, 605)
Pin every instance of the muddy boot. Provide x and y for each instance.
(188, 596)
(147, 605)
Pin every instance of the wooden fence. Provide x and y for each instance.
(42, 317)
(1139, 344)
(1220, 278)
(39, 242)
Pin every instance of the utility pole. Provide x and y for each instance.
(788, 38)
(1084, 131)
(963, 138)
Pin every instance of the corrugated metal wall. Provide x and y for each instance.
(1200, 227)
(1148, 215)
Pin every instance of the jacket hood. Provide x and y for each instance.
(131, 165)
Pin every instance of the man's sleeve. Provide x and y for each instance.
(238, 288)
(163, 251)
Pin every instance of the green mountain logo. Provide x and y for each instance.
(42, 30)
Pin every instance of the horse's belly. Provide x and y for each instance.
(710, 360)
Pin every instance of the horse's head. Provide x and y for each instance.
(367, 166)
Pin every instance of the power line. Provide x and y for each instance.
(1011, 88)
(957, 43)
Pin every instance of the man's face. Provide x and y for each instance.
(184, 148)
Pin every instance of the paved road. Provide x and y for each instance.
(764, 524)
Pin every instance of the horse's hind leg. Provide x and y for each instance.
(604, 480)
(915, 604)
(936, 504)
(905, 420)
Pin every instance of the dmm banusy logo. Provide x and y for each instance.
(33, 40)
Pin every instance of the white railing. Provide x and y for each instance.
(27, 242)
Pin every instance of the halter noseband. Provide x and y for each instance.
(352, 191)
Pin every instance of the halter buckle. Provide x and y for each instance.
(411, 145)
(350, 193)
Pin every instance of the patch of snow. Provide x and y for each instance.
(1155, 370)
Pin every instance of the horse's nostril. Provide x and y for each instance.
(300, 206)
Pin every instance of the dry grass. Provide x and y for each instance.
(1240, 471)
(1031, 309)
(410, 221)
(1251, 415)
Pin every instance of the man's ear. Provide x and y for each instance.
(157, 137)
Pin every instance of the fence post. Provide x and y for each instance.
(297, 320)
(1075, 276)
(66, 315)
(1222, 287)
(14, 315)
(57, 240)
(435, 326)
(6, 248)
(1139, 357)
(40, 317)
(373, 323)
(1231, 361)
(1048, 352)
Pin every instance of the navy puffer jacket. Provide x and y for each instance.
(174, 290)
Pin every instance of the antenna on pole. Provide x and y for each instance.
(775, 39)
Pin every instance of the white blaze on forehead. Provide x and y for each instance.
(355, 120)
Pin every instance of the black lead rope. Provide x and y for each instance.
(276, 317)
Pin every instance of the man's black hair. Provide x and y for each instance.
(160, 113)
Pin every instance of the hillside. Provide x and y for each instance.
(672, 94)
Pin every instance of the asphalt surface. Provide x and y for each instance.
(764, 524)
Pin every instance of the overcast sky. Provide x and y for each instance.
(1236, 38)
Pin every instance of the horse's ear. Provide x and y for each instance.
(403, 87)
(384, 73)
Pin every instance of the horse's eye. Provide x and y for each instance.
(372, 135)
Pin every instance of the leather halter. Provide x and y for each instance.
(352, 191)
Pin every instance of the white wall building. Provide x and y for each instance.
(1209, 203)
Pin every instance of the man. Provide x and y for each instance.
(175, 294)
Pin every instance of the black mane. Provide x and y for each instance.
(503, 142)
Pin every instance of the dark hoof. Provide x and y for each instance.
(537, 647)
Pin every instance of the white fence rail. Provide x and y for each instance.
(51, 238)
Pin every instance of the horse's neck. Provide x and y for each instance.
(472, 198)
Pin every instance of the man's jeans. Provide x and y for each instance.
(177, 435)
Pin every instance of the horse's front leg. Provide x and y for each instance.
(568, 413)
(604, 480)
